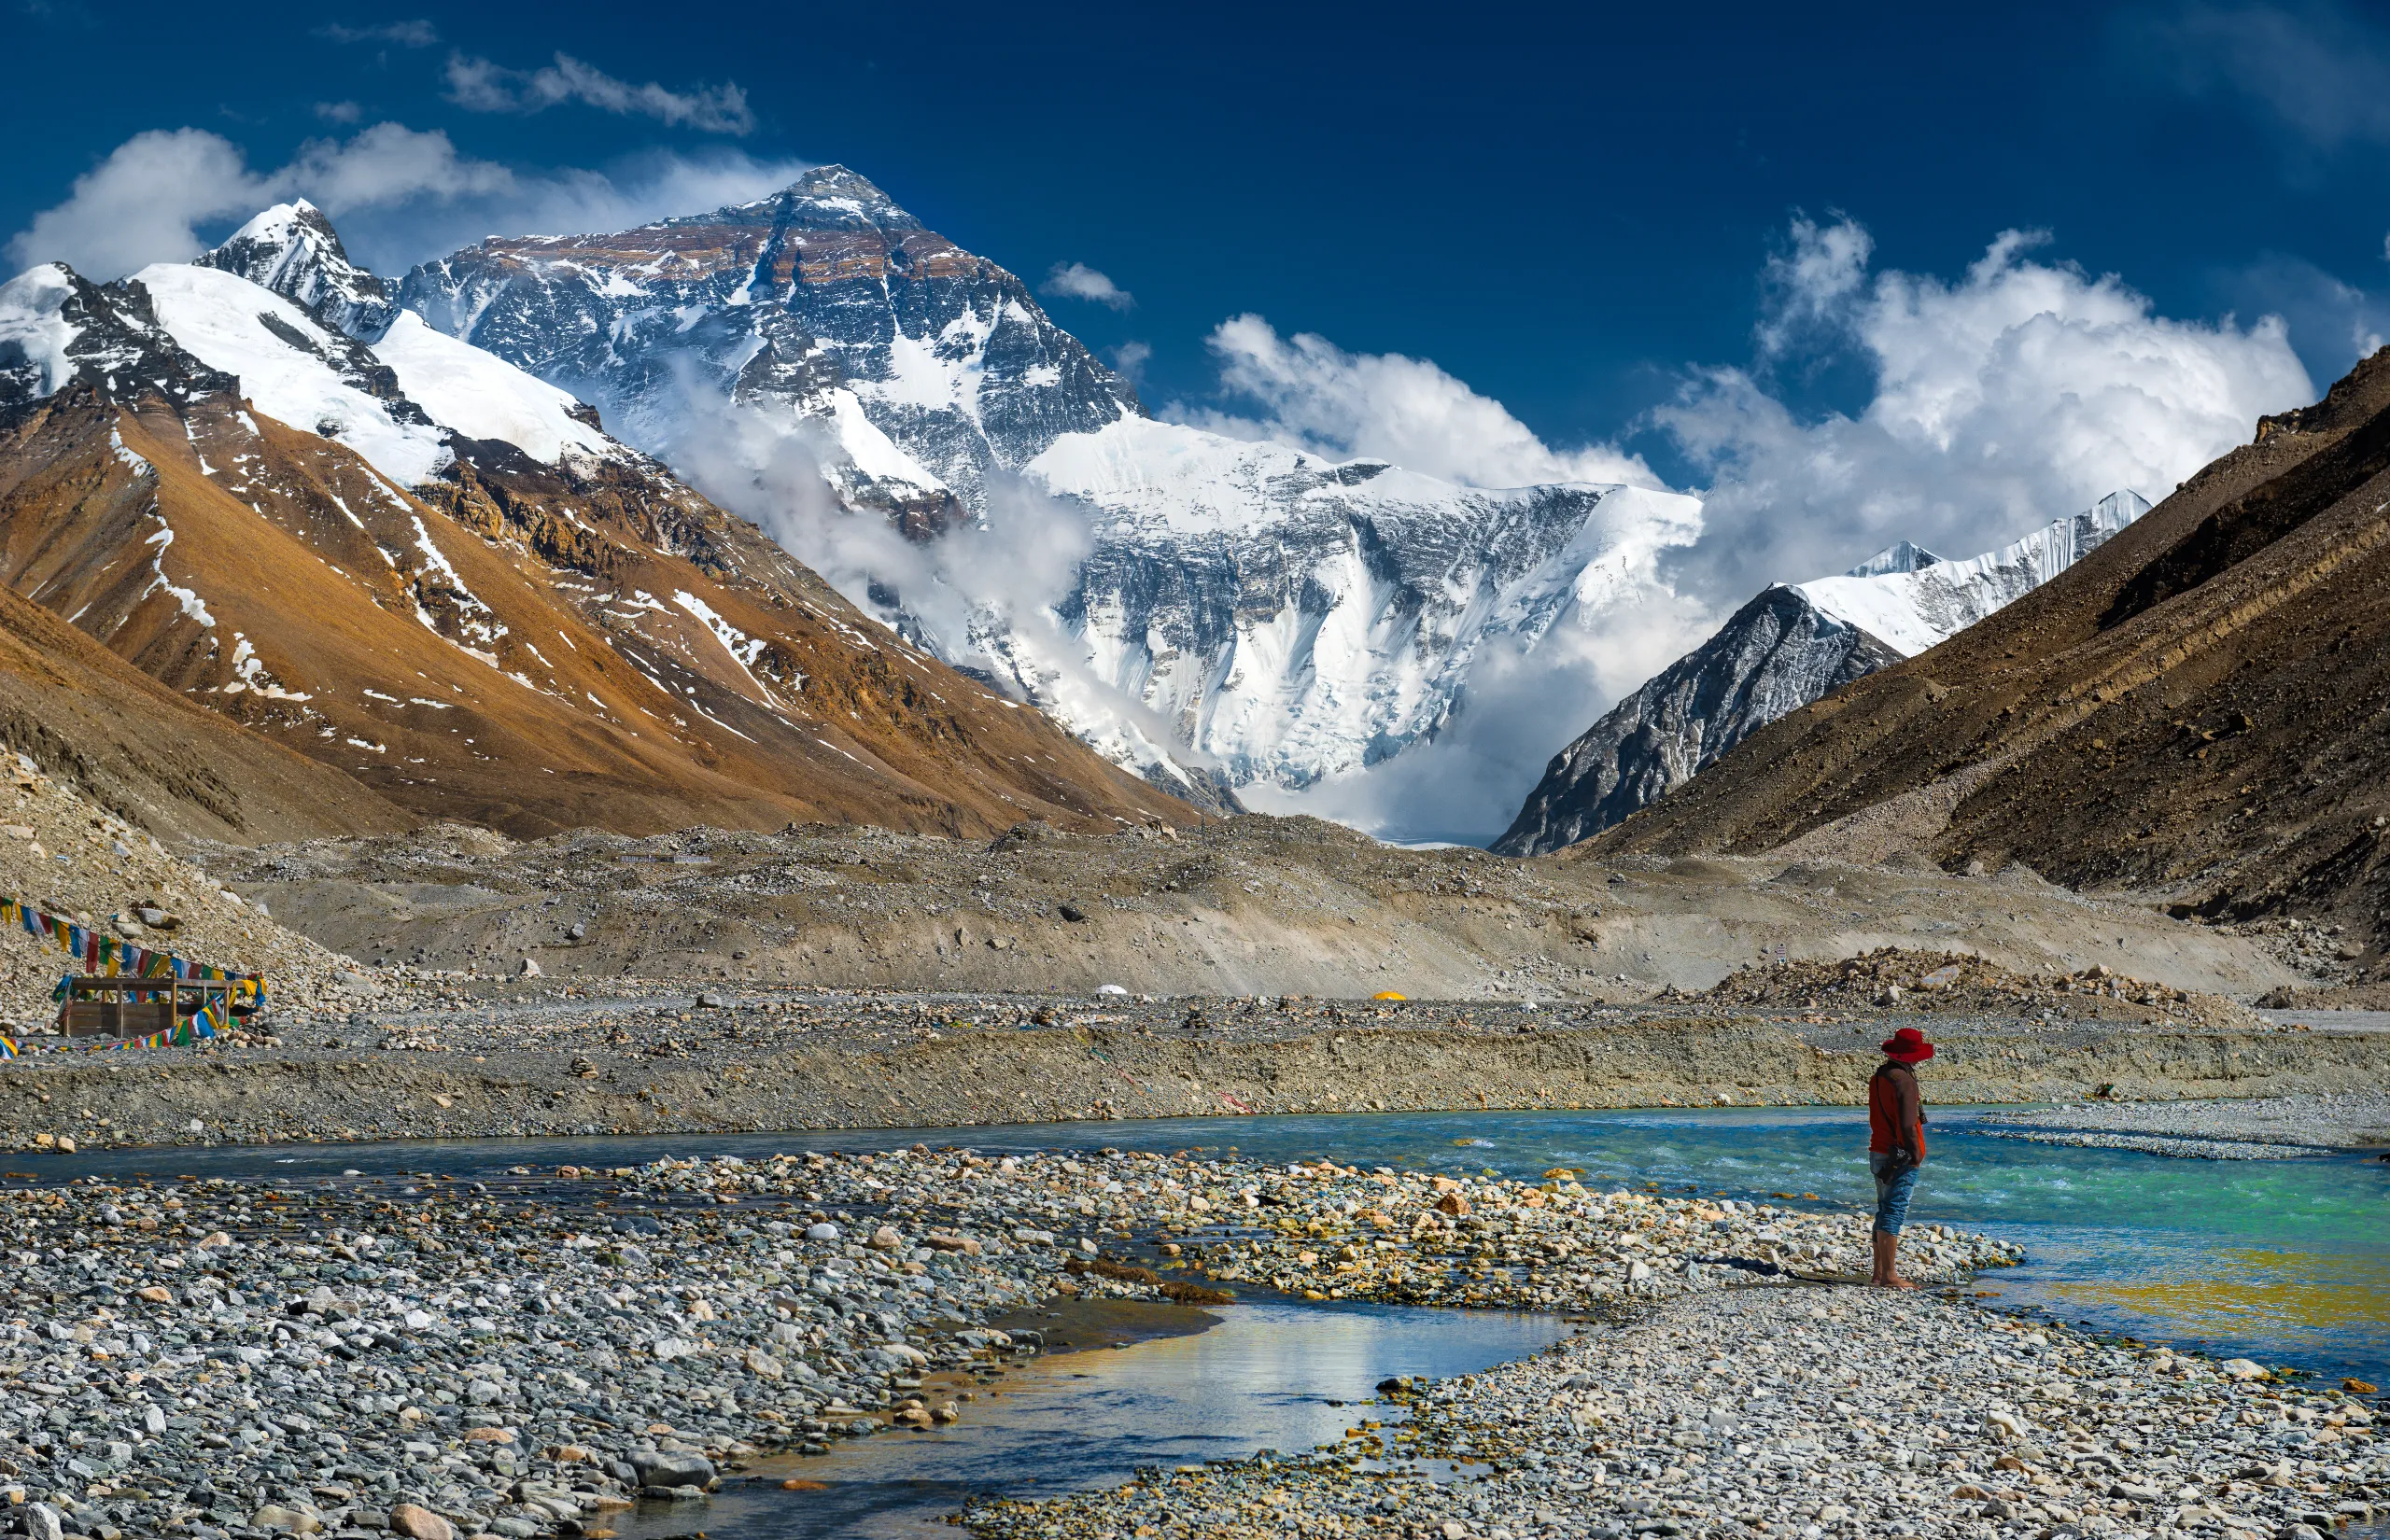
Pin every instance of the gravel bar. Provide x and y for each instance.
(522, 1357)
(2353, 1119)
(1797, 1414)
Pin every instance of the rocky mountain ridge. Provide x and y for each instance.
(918, 368)
(422, 568)
(1238, 614)
(1791, 645)
(292, 249)
(2194, 710)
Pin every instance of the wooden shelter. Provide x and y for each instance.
(97, 1006)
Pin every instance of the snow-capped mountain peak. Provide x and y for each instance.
(292, 249)
(396, 402)
(316, 342)
(404, 401)
(1899, 557)
(833, 197)
(1791, 645)
(916, 368)
(1913, 607)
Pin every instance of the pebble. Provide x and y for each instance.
(1797, 1413)
(500, 1357)
(459, 1358)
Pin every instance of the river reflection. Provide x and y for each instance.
(1267, 1377)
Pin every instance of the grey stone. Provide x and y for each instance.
(672, 1467)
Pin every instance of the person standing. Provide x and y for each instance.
(1896, 1146)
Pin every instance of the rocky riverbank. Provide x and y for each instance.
(522, 1357)
(519, 1061)
(1448, 1240)
(1793, 1412)
(2250, 1128)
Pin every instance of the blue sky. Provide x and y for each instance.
(1575, 211)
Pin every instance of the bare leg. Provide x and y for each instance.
(1886, 1275)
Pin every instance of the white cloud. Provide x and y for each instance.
(1079, 281)
(339, 112)
(1810, 284)
(479, 86)
(387, 163)
(1340, 405)
(139, 205)
(400, 196)
(2022, 392)
(1128, 361)
(417, 33)
(145, 202)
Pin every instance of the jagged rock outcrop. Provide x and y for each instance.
(1777, 652)
(292, 249)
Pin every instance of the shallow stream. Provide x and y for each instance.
(2286, 1261)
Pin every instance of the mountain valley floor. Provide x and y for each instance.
(1254, 905)
(534, 1353)
(461, 984)
(526, 1060)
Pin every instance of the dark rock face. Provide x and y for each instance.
(1778, 654)
(293, 250)
(106, 337)
(822, 288)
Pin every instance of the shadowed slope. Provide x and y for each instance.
(2198, 708)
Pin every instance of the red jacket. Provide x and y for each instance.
(1895, 1113)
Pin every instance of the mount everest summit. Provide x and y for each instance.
(1220, 614)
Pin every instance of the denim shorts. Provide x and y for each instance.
(1895, 1180)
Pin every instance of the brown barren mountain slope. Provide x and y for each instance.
(2196, 712)
(152, 758)
(553, 648)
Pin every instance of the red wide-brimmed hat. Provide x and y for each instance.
(1908, 1045)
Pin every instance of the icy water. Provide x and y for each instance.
(1273, 1375)
(2288, 1261)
